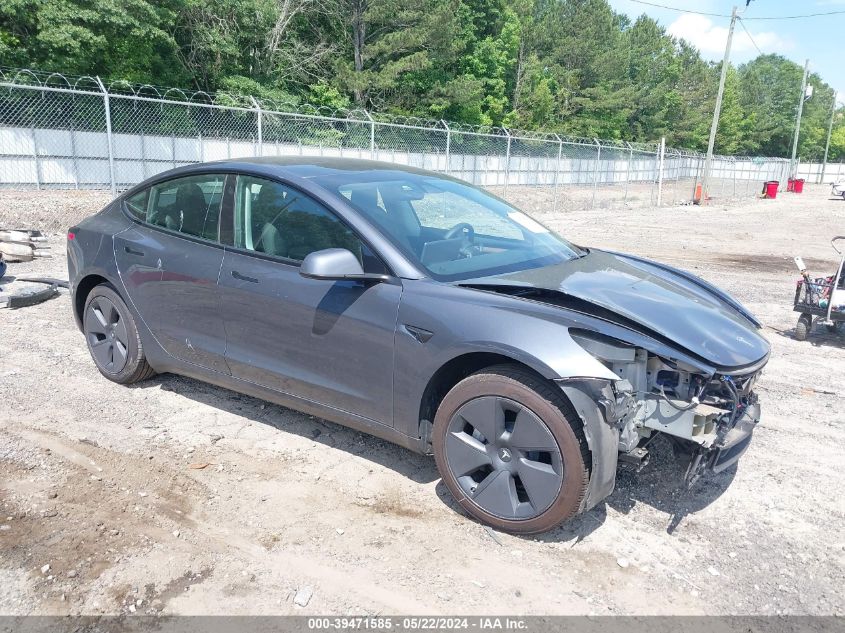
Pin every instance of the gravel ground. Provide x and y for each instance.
(177, 497)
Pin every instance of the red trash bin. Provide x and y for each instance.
(770, 189)
(798, 186)
(790, 185)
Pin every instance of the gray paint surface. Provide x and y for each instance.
(350, 351)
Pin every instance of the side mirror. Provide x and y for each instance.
(335, 264)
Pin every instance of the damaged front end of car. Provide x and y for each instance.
(679, 358)
(708, 416)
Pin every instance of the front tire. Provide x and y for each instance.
(511, 450)
(112, 337)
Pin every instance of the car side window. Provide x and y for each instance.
(189, 205)
(281, 221)
(137, 204)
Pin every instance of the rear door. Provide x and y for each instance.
(138, 254)
(180, 237)
(328, 342)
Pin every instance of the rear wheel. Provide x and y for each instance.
(802, 329)
(113, 338)
(511, 450)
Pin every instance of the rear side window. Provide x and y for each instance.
(137, 204)
(188, 205)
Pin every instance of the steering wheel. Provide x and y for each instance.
(467, 231)
(462, 228)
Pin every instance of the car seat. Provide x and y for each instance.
(188, 214)
(366, 199)
(267, 208)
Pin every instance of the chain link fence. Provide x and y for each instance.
(59, 132)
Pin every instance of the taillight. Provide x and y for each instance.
(70, 235)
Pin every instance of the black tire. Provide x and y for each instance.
(112, 337)
(802, 329)
(532, 473)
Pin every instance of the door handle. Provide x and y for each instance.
(241, 277)
(132, 251)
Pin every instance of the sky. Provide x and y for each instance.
(821, 39)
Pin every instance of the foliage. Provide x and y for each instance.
(567, 66)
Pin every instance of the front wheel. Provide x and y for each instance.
(113, 338)
(511, 450)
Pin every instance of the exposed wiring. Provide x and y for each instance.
(692, 405)
(735, 394)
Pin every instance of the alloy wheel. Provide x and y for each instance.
(106, 334)
(504, 457)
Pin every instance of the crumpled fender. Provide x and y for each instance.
(602, 437)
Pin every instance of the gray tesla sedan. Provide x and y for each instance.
(427, 312)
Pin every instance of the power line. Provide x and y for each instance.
(748, 33)
(723, 15)
(663, 6)
(797, 17)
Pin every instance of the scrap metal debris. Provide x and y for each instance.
(61, 283)
(29, 298)
(23, 245)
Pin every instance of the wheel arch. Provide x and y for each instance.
(456, 369)
(602, 438)
(83, 289)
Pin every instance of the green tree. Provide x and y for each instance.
(567, 66)
(837, 139)
(114, 38)
(397, 49)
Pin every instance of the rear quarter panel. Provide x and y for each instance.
(91, 251)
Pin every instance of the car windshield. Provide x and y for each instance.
(452, 230)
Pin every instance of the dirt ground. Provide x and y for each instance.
(177, 497)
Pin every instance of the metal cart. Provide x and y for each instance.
(821, 300)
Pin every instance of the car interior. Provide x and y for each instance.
(439, 224)
(188, 205)
(441, 228)
(278, 221)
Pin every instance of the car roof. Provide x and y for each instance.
(311, 166)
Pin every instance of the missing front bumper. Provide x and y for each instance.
(736, 442)
(727, 452)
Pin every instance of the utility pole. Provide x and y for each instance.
(708, 162)
(794, 167)
(829, 134)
